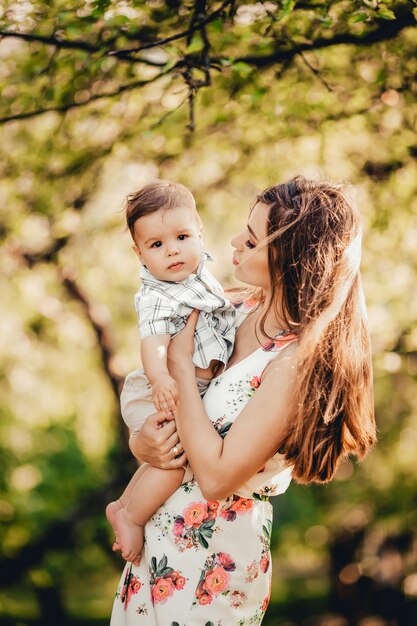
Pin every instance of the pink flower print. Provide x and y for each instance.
(278, 342)
(195, 513)
(131, 586)
(200, 589)
(255, 382)
(236, 598)
(252, 572)
(162, 590)
(135, 585)
(180, 582)
(205, 599)
(228, 514)
(250, 302)
(265, 604)
(213, 505)
(264, 562)
(216, 580)
(178, 529)
(242, 505)
(226, 562)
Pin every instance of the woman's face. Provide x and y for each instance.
(251, 253)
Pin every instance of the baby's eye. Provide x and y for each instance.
(182, 237)
(156, 244)
(249, 244)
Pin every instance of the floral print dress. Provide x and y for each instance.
(207, 563)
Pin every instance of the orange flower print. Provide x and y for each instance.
(226, 562)
(242, 505)
(205, 598)
(180, 582)
(216, 581)
(252, 572)
(279, 341)
(196, 525)
(255, 382)
(195, 513)
(131, 586)
(215, 577)
(264, 562)
(162, 590)
(164, 580)
(235, 505)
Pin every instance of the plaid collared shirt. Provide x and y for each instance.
(163, 308)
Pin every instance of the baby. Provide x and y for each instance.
(166, 231)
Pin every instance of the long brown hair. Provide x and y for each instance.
(314, 238)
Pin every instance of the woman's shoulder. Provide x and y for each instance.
(283, 364)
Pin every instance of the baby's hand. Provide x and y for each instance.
(165, 395)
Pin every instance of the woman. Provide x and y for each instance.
(295, 399)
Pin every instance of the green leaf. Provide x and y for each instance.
(163, 563)
(217, 25)
(287, 8)
(153, 564)
(100, 8)
(243, 69)
(203, 541)
(196, 44)
(385, 14)
(358, 17)
(326, 21)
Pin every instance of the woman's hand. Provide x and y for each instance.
(158, 443)
(181, 347)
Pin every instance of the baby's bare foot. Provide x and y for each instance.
(111, 511)
(129, 537)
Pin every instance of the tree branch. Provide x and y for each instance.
(78, 44)
(101, 330)
(195, 26)
(387, 30)
(63, 108)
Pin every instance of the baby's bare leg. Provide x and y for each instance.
(115, 506)
(212, 370)
(151, 490)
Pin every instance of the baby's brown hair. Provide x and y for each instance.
(160, 194)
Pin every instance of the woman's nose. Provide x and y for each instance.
(235, 241)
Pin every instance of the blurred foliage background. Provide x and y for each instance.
(100, 96)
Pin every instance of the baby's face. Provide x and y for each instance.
(169, 243)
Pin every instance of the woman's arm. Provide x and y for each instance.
(221, 466)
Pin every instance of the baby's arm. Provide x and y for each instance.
(154, 360)
(151, 490)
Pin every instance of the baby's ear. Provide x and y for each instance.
(137, 252)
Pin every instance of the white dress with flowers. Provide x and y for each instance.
(208, 563)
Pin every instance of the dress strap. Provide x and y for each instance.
(279, 341)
